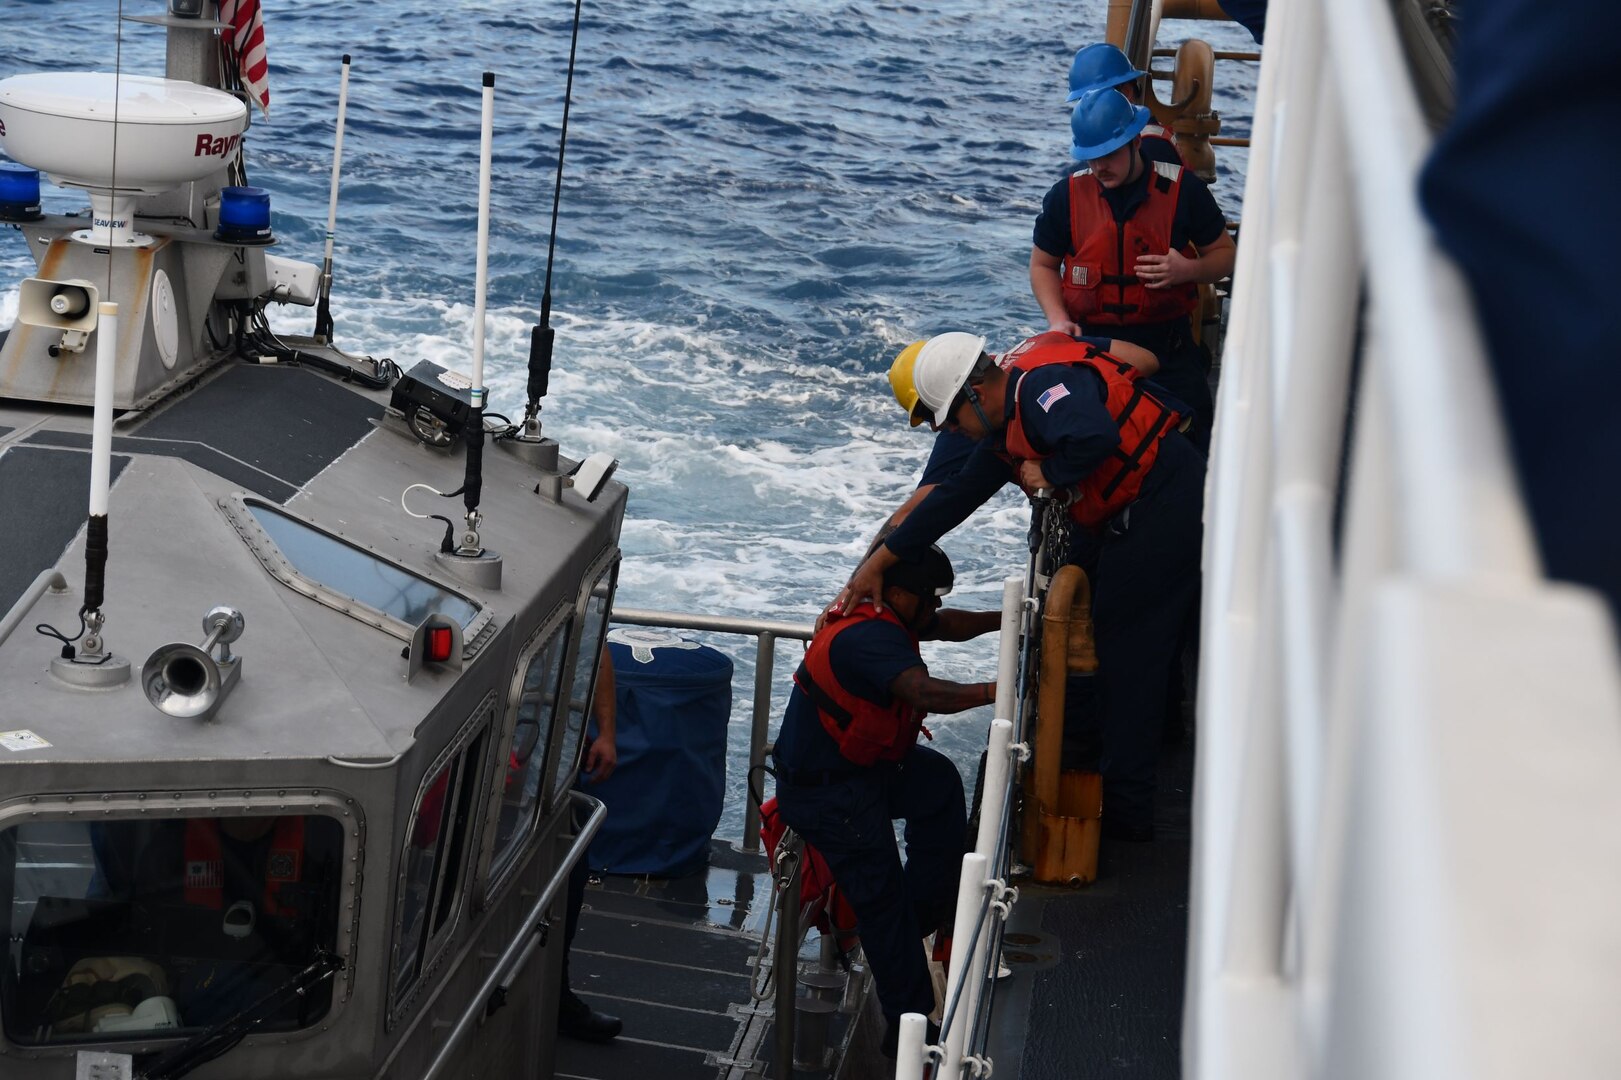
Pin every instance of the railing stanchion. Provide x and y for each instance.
(970, 892)
(998, 763)
(909, 1048)
(1007, 655)
(765, 660)
(786, 960)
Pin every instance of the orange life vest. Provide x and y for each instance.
(1164, 135)
(864, 730)
(1143, 420)
(1099, 282)
(205, 863)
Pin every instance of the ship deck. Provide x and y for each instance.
(1099, 971)
(1096, 989)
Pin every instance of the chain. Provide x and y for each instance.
(1054, 534)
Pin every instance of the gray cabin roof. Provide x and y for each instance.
(315, 682)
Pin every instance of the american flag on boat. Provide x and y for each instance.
(246, 41)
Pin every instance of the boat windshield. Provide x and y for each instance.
(117, 930)
(349, 571)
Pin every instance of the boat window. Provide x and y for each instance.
(349, 571)
(434, 861)
(125, 929)
(594, 607)
(533, 706)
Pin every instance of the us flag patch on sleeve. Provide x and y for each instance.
(1050, 395)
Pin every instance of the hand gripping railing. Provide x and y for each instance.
(983, 897)
(1405, 857)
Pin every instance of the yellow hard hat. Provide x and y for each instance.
(903, 382)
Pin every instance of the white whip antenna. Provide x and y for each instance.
(470, 560)
(482, 274)
(323, 311)
(94, 667)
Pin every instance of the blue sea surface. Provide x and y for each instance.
(762, 203)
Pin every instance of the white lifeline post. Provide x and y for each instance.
(101, 423)
(482, 273)
(1007, 656)
(970, 893)
(909, 1047)
(998, 763)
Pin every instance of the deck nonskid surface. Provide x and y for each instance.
(673, 959)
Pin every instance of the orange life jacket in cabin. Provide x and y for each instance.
(205, 863)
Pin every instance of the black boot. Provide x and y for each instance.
(577, 1020)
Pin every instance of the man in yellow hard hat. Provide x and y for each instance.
(951, 448)
(1060, 414)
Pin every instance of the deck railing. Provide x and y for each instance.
(765, 633)
(984, 898)
(1407, 861)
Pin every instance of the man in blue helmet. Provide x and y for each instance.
(1101, 66)
(1121, 246)
(848, 764)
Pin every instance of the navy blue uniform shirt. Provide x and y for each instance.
(951, 448)
(865, 658)
(1250, 14)
(1157, 150)
(1064, 415)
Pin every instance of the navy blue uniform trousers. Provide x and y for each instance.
(850, 823)
(1144, 572)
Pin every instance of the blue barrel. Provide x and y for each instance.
(674, 699)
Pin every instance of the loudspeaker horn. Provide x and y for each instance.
(58, 305)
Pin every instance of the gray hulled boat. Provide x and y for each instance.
(285, 669)
(259, 649)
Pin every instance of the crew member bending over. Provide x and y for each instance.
(1058, 414)
(848, 764)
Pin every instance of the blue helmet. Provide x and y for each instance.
(1103, 122)
(1099, 67)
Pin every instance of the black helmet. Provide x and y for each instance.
(929, 575)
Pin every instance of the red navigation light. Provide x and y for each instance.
(438, 644)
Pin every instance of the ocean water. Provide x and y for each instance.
(762, 203)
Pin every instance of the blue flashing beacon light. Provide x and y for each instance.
(19, 194)
(244, 216)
